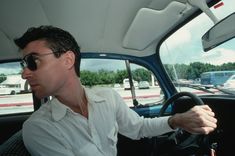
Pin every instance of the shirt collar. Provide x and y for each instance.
(59, 110)
(92, 96)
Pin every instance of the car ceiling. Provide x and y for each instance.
(132, 27)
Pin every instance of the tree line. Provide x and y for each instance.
(104, 77)
(191, 71)
(194, 70)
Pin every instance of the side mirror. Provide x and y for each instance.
(221, 32)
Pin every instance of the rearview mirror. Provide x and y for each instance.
(222, 31)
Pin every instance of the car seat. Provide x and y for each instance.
(14, 146)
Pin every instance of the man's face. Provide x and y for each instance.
(48, 77)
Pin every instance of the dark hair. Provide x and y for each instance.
(58, 40)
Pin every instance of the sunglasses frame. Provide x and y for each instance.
(28, 60)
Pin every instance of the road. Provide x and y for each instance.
(23, 102)
(16, 103)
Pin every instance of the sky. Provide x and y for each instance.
(186, 43)
(10, 68)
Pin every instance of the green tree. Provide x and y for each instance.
(3, 77)
(195, 69)
(228, 66)
(141, 74)
(106, 77)
(181, 70)
(120, 75)
(89, 78)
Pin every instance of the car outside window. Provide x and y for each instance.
(190, 68)
(15, 94)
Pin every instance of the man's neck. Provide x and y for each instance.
(74, 97)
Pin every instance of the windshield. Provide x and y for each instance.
(192, 69)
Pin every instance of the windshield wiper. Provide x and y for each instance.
(214, 87)
(226, 91)
(197, 87)
(201, 88)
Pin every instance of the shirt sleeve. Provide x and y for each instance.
(40, 139)
(134, 126)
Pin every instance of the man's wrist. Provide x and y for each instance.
(172, 121)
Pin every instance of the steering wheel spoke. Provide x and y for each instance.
(185, 143)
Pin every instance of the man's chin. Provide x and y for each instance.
(40, 95)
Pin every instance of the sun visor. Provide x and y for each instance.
(150, 24)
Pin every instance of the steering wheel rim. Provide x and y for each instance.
(182, 138)
(195, 98)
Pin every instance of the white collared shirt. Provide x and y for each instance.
(55, 130)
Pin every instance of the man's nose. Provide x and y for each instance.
(26, 73)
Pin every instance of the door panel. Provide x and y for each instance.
(10, 125)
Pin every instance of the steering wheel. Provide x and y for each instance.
(195, 99)
(183, 142)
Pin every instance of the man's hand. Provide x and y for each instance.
(197, 120)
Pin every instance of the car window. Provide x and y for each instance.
(113, 74)
(192, 69)
(15, 94)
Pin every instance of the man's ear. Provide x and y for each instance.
(69, 59)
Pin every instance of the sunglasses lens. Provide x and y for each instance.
(29, 62)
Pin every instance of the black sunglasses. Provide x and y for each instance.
(29, 61)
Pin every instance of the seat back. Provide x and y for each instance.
(14, 146)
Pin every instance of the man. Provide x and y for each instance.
(79, 121)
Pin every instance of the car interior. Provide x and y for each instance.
(132, 38)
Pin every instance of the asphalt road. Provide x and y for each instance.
(23, 102)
